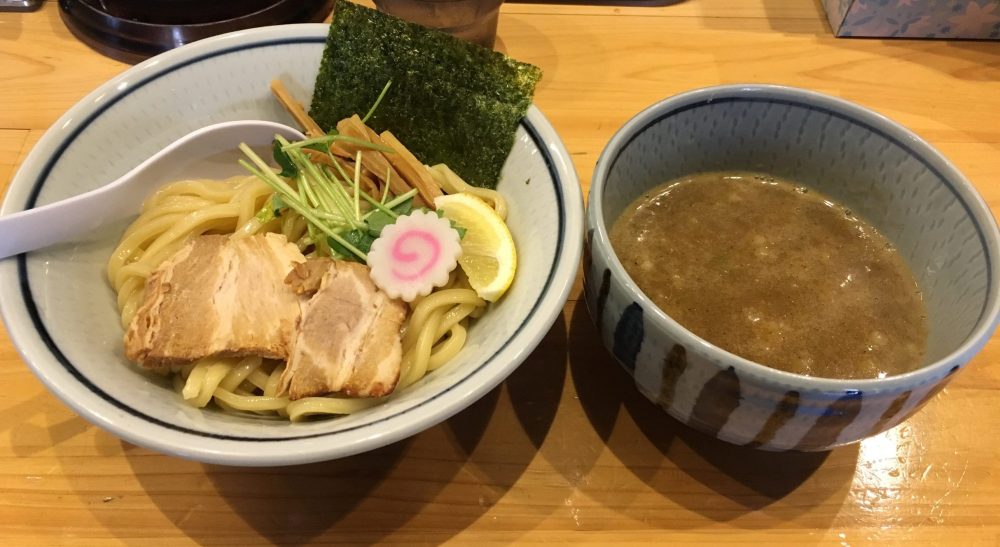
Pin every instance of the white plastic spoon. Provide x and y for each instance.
(209, 152)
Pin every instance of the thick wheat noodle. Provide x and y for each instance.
(449, 348)
(239, 372)
(451, 183)
(204, 378)
(434, 333)
(165, 235)
(250, 403)
(438, 301)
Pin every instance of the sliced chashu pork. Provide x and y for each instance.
(218, 296)
(348, 338)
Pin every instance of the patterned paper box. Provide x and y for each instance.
(975, 19)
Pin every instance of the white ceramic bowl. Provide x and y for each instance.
(60, 310)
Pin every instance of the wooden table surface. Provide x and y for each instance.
(566, 450)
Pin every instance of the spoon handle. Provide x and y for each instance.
(61, 221)
(209, 151)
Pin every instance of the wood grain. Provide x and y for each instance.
(566, 450)
(12, 142)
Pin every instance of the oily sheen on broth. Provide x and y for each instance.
(775, 273)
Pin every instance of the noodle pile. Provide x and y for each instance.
(434, 332)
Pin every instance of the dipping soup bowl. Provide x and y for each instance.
(881, 171)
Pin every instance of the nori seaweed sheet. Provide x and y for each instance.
(450, 102)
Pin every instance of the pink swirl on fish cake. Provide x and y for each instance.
(414, 255)
(402, 256)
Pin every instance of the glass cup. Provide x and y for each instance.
(471, 20)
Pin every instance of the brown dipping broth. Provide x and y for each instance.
(775, 273)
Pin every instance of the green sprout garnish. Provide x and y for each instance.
(328, 199)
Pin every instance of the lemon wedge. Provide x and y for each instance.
(488, 255)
